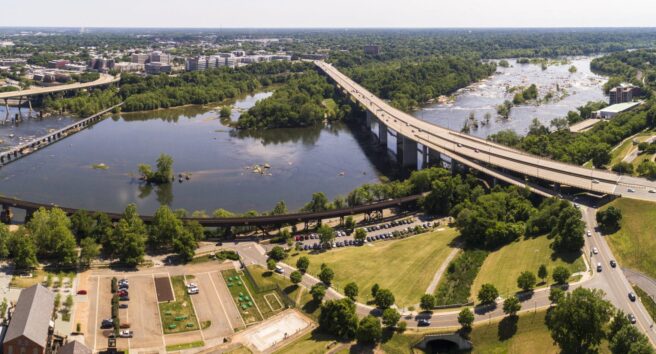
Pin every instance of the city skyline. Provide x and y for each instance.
(339, 14)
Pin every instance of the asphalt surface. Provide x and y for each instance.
(104, 79)
(469, 150)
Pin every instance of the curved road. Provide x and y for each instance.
(104, 79)
(473, 151)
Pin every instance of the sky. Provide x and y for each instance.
(328, 13)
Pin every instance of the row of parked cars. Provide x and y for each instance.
(123, 296)
(389, 225)
(315, 236)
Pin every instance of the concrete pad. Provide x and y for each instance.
(276, 330)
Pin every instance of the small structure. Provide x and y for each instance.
(30, 322)
(74, 347)
(623, 93)
(612, 111)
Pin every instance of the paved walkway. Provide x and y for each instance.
(643, 281)
(438, 275)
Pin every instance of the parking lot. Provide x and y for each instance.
(212, 306)
(381, 231)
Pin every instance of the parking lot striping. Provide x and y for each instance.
(232, 326)
(95, 330)
(171, 285)
(159, 318)
(194, 308)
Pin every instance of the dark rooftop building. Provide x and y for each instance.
(30, 322)
(74, 347)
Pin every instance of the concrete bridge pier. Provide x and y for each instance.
(382, 133)
(28, 215)
(408, 153)
(434, 158)
(369, 120)
(6, 215)
(6, 110)
(29, 104)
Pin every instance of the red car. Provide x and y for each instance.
(122, 293)
(81, 292)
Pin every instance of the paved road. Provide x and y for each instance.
(104, 79)
(471, 150)
(644, 282)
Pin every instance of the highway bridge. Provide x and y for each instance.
(420, 141)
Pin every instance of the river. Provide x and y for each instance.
(482, 97)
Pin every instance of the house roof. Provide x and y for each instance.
(74, 347)
(31, 317)
(620, 107)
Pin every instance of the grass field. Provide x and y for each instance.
(634, 244)
(244, 300)
(405, 266)
(618, 154)
(178, 316)
(311, 343)
(647, 301)
(640, 158)
(40, 276)
(264, 304)
(502, 267)
(300, 295)
(176, 347)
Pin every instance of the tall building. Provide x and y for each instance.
(157, 68)
(159, 57)
(139, 58)
(623, 93)
(196, 64)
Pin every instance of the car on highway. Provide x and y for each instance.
(595, 181)
(598, 267)
(613, 263)
(589, 233)
(632, 318)
(632, 296)
(652, 191)
(595, 250)
(423, 323)
(630, 190)
(126, 333)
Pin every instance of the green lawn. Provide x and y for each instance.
(618, 154)
(634, 244)
(176, 347)
(404, 266)
(502, 267)
(178, 316)
(311, 343)
(647, 301)
(640, 158)
(244, 299)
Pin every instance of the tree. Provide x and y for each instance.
(303, 263)
(280, 208)
(623, 167)
(165, 227)
(526, 281)
(391, 317)
(374, 289)
(326, 234)
(427, 302)
(609, 219)
(277, 253)
(184, 245)
(600, 155)
(22, 250)
(360, 234)
(488, 294)
(369, 330)
(271, 264)
(296, 277)
(466, 318)
(629, 340)
(556, 294)
(384, 298)
(318, 291)
(5, 237)
(318, 203)
(511, 306)
(337, 317)
(326, 275)
(349, 223)
(569, 230)
(82, 224)
(89, 250)
(543, 273)
(561, 275)
(52, 235)
(225, 112)
(578, 323)
(351, 290)
(132, 244)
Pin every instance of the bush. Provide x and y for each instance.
(114, 285)
(561, 275)
(227, 254)
(460, 275)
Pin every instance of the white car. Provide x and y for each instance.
(589, 233)
(192, 290)
(595, 250)
(595, 181)
(652, 191)
(126, 333)
(192, 285)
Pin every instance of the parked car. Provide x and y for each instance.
(107, 323)
(279, 269)
(632, 296)
(193, 290)
(123, 306)
(81, 292)
(124, 298)
(126, 333)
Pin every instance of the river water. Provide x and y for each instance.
(334, 159)
(576, 89)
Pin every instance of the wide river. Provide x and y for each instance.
(333, 159)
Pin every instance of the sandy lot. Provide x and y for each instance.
(210, 307)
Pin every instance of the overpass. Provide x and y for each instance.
(420, 142)
(103, 80)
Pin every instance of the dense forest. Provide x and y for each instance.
(629, 66)
(410, 83)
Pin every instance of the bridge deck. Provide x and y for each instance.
(104, 79)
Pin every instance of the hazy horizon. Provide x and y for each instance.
(336, 14)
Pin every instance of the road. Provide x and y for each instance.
(474, 152)
(104, 79)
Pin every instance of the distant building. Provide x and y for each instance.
(10, 62)
(196, 64)
(159, 57)
(101, 64)
(372, 49)
(157, 68)
(74, 347)
(613, 110)
(58, 64)
(75, 67)
(124, 67)
(30, 322)
(623, 93)
(314, 56)
(239, 53)
(139, 58)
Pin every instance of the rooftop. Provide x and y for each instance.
(31, 317)
(620, 107)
